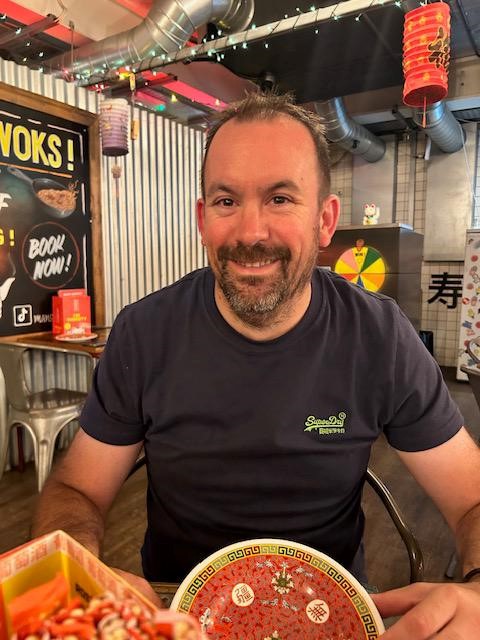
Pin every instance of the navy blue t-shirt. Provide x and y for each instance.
(247, 439)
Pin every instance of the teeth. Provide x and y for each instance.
(256, 264)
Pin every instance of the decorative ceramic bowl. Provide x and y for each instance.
(270, 589)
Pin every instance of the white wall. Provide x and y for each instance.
(410, 209)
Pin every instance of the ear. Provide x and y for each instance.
(201, 217)
(329, 214)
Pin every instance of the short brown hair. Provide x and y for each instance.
(259, 106)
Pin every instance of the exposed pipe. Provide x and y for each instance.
(167, 27)
(441, 127)
(347, 133)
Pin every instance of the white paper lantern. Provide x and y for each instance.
(114, 126)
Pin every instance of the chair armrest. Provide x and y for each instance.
(411, 544)
(138, 465)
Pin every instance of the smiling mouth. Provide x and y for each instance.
(253, 260)
(255, 265)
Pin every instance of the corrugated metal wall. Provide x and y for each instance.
(149, 231)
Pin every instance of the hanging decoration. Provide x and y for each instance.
(114, 126)
(134, 123)
(116, 175)
(426, 55)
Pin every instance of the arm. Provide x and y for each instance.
(450, 474)
(81, 489)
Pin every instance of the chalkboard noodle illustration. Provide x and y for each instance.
(6, 267)
(63, 200)
(59, 201)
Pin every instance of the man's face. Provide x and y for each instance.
(262, 221)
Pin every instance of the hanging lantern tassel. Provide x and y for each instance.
(116, 173)
(426, 55)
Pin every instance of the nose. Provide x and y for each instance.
(252, 226)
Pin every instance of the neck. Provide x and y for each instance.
(287, 317)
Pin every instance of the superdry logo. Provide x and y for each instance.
(326, 426)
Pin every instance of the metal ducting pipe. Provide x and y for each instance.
(167, 27)
(441, 127)
(347, 133)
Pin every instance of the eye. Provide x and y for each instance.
(280, 199)
(224, 202)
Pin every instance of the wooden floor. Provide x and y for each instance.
(387, 562)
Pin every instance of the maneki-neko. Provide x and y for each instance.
(426, 54)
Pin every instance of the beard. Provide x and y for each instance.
(260, 300)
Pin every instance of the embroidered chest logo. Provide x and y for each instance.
(326, 426)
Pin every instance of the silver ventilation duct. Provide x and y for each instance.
(441, 127)
(167, 27)
(347, 133)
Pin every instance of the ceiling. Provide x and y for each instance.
(341, 57)
(359, 58)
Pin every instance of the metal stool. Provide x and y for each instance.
(42, 413)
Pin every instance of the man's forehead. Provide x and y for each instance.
(282, 122)
(261, 150)
(280, 135)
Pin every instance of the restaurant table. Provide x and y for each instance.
(46, 339)
(165, 591)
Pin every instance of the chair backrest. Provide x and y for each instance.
(473, 349)
(412, 546)
(11, 363)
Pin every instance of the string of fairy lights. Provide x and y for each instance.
(217, 45)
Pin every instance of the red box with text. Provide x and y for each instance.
(71, 313)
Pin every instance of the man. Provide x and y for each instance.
(225, 375)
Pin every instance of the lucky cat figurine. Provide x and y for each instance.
(371, 214)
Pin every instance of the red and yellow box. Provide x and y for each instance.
(71, 313)
(42, 559)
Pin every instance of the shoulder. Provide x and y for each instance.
(163, 313)
(354, 300)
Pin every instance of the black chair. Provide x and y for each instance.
(412, 546)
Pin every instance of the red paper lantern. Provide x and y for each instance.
(426, 54)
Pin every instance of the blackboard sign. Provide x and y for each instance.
(45, 220)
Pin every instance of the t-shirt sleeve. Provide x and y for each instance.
(422, 414)
(112, 411)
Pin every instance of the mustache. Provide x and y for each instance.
(254, 253)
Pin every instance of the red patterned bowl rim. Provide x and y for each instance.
(191, 585)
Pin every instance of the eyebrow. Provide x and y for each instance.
(281, 184)
(220, 186)
(284, 184)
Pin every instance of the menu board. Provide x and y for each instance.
(45, 221)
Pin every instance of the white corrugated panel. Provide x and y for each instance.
(150, 234)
